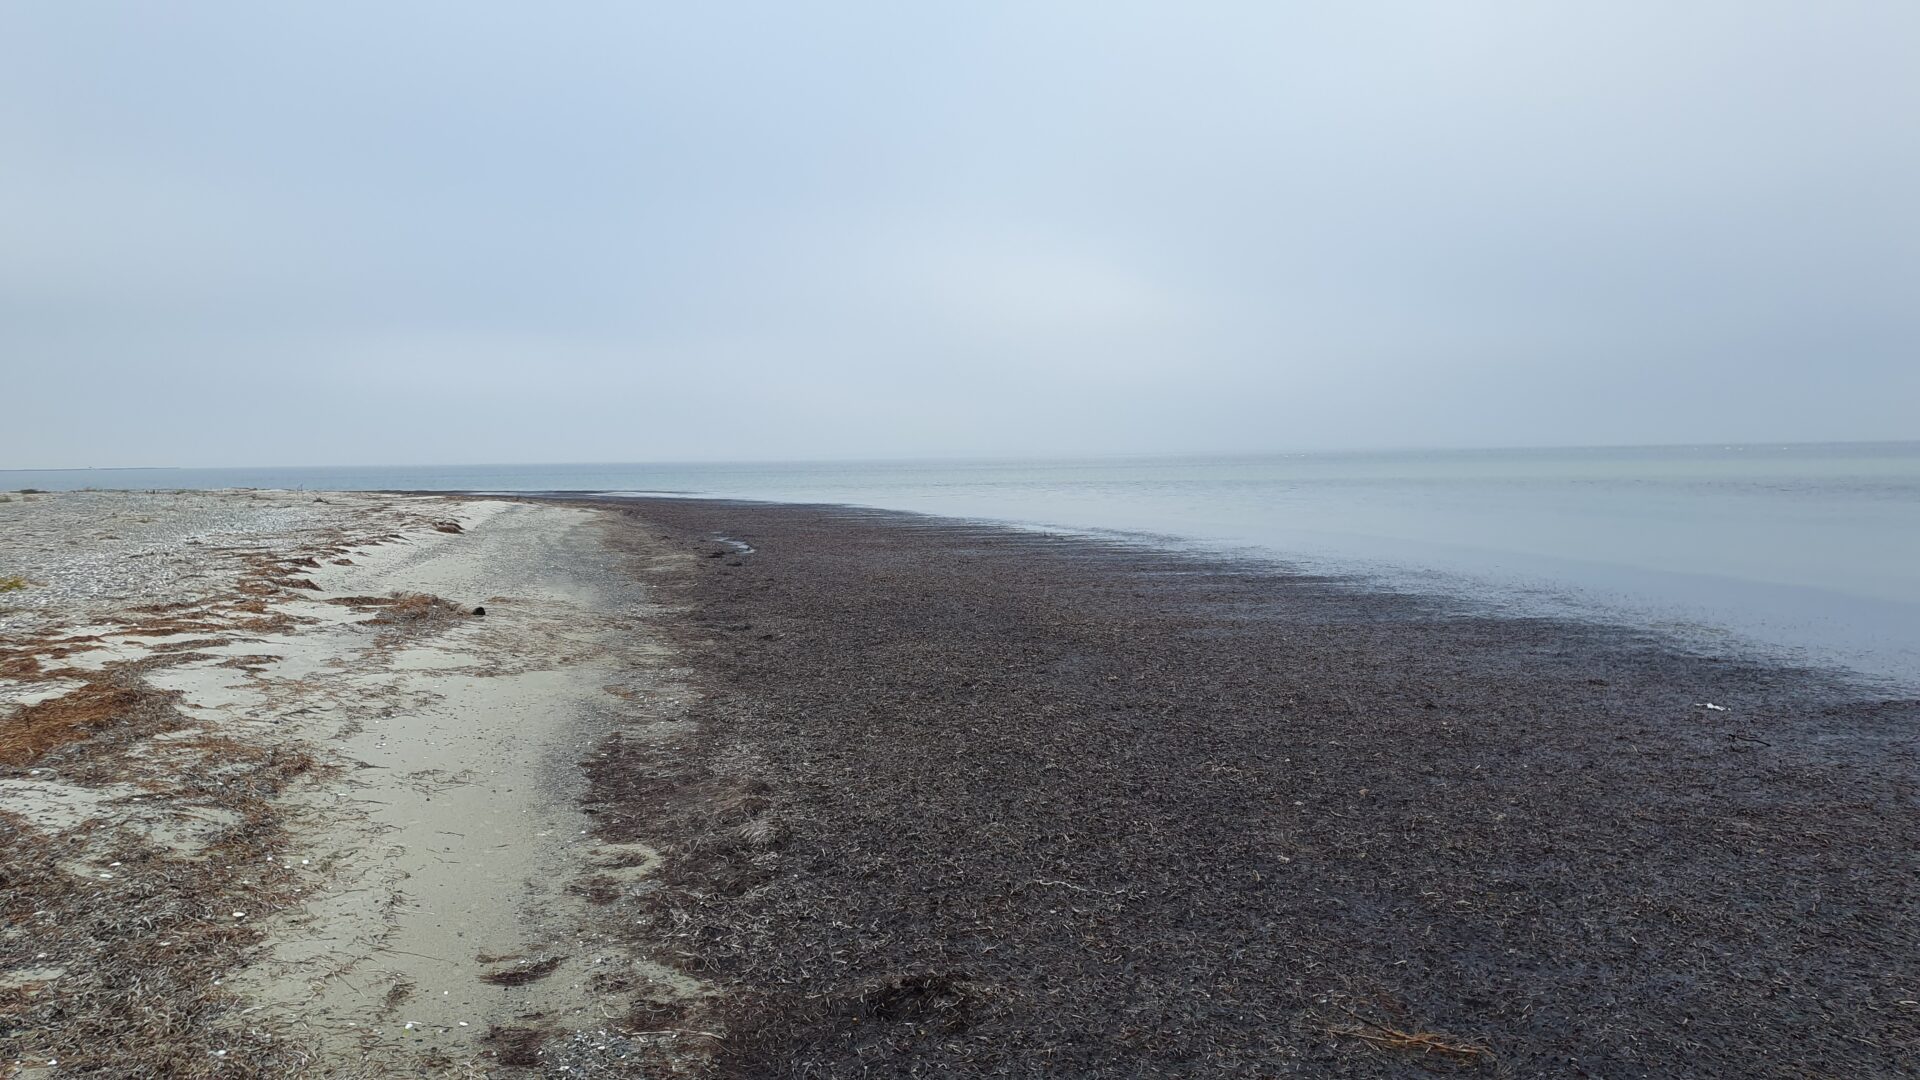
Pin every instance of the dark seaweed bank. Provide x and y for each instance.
(965, 801)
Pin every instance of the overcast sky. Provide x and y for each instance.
(339, 233)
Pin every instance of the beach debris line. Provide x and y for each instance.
(527, 972)
(1424, 1043)
(515, 1046)
(944, 1001)
(108, 699)
(144, 829)
(143, 1001)
(414, 610)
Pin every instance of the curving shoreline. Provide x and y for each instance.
(966, 801)
(764, 790)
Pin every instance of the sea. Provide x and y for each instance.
(1802, 553)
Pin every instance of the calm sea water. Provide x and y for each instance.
(1809, 552)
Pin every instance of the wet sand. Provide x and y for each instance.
(963, 801)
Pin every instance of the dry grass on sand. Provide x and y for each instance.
(116, 939)
(406, 609)
(95, 705)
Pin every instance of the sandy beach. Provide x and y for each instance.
(281, 800)
(338, 785)
(1078, 541)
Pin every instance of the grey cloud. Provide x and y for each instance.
(234, 234)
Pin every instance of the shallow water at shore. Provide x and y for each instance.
(1802, 551)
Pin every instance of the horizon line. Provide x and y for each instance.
(1102, 456)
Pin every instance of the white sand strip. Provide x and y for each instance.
(442, 865)
(452, 847)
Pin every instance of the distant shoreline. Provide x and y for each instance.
(968, 459)
(1797, 551)
(102, 468)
